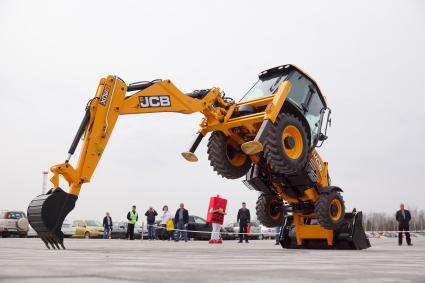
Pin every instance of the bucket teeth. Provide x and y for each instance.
(46, 214)
(51, 240)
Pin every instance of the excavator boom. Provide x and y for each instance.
(113, 98)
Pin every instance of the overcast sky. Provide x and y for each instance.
(368, 57)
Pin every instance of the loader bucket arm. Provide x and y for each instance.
(46, 213)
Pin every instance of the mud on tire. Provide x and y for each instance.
(330, 210)
(226, 157)
(268, 212)
(286, 145)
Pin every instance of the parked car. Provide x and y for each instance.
(31, 232)
(390, 234)
(197, 223)
(13, 223)
(233, 230)
(67, 229)
(119, 231)
(267, 232)
(87, 229)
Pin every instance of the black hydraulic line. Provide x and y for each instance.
(80, 132)
(141, 85)
(196, 143)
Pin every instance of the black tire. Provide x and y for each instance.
(269, 211)
(227, 158)
(289, 155)
(330, 210)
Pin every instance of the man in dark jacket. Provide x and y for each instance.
(150, 219)
(181, 220)
(107, 226)
(244, 218)
(403, 217)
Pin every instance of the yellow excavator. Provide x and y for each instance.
(270, 136)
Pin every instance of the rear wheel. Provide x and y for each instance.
(226, 156)
(330, 210)
(286, 145)
(269, 210)
(87, 235)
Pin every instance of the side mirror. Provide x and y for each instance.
(322, 137)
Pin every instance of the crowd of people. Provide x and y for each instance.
(179, 224)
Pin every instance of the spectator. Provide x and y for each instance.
(166, 217)
(150, 219)
(403, 217)
(132, 218)
(244, 218)
(181, 219)
(107, 226)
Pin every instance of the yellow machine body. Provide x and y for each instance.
(241, 131)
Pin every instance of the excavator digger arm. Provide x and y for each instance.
(102, 114)
(113, 98)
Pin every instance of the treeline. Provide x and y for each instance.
(378, 221)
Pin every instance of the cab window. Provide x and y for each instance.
(300, 88)
(314, 114)
(264, 87)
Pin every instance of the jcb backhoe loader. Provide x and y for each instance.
(270, 136)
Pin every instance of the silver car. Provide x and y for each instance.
(13, 222)
(67, 229)
(255, 233)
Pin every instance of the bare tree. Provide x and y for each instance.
(379, 221)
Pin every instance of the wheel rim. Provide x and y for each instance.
(292, 141)
(235, 157)
(274, 213)
(335, 209)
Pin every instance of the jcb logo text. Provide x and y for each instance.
(154, 101)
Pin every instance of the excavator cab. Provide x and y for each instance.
(305, 96)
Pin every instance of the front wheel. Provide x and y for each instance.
(269, 210)
(330, 210)
(226, 156)
(286, 145)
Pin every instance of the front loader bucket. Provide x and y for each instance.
(350, 236)
(46, 214)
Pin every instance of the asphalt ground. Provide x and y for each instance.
(90, 260)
